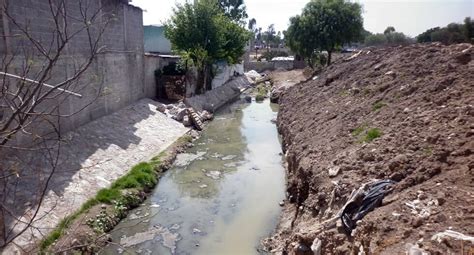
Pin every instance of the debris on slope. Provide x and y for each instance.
(403, 113)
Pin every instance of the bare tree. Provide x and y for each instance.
(40, 74)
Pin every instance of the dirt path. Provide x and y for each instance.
(404, 114)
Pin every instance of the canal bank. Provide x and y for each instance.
(220, 197)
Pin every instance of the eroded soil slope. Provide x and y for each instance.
(419, 100)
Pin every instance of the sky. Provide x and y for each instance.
(411, 17)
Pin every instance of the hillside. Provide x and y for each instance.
(404, 114)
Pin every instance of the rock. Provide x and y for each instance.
(186, 121)
(281, 203)
(334, 171)
(161, 108)
(193, 133)
(205, 115)
(316, 247)
(169, 106)
(248, 99)
(274, 121)
(181, 113)
(416, 222)
(391, 73)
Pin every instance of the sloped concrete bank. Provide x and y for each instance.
(216, 98)
(92, 158)
(86, 229)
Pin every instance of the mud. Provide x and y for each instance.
(420, 99)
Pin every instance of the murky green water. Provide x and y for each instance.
(221, 196)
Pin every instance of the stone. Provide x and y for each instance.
(248, 99)
(181, 113)
(186, 121)
(281, 203)
(205, 115)
(161, 108)
(316, 247)
(334, 171)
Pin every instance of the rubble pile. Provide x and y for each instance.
(404, 114)
(186, 115)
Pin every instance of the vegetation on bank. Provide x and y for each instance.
(324, 25)
(452, 33)
(123, 195)
(207, 31)
(366, 134)
(389, 37)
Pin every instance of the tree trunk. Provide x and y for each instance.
(208, 77)
(329, 57)
(200, 81)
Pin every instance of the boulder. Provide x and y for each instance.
(181, 113)
(161, 108)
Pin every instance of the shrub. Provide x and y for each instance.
(259, 98)
(269, 55)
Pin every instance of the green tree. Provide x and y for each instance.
(389, 30)
(468, 29)
(324, 25)
(202, 34)
(452, 33)
(234, 9)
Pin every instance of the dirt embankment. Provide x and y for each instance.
(405, 114)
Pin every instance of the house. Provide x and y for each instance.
(155, 40)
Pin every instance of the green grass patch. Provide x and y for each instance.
(344, 93)
(428, 151)
(259, 98)
(372, 134)
(64, 224)
(142, 177)
(356, 132)
(365, 134)
(378, 105)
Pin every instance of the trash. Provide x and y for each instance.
(364, 200)
(353, 56)
(316, 246)
(439, 237)
(252, 74)
(196, 119)
(415, 250)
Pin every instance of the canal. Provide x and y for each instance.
(220, 197)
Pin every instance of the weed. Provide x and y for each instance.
(378, 105)
(428, 151)
(107, 195)
(367, 91)
(344, 93)
(259, 98)
(359, 130)
(141, 177)
(372, 134)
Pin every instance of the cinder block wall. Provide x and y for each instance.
(115, 78)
